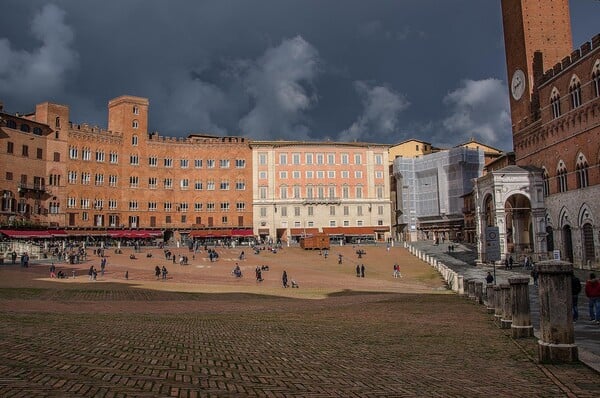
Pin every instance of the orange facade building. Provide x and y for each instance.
(74, 176)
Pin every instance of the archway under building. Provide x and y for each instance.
(589, 250)
(519, 234)
(567, 236)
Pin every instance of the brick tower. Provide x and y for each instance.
(537, 35)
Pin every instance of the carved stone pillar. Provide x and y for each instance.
(489, 298)
(521, 313)
(556, 343)
(506, 320)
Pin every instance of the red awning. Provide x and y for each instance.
(86, 233)
(26, 234)
(242, 232)
(211, 233)
(304, 231)
(134, 233)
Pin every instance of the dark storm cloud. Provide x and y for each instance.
(378, 71)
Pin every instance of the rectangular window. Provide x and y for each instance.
(309, 174)
(296, 211)
(184, 184)
(283, 175)
(283, 192)
(184, 163)
(295, 175)
(153, 161)
(168, 162)
(134, 181)
(25, 150)
(210, 163)
(198, 185)
(40, 153)
(133, 205)
(262, 175)
(296, 158)
(380, 210)
(224, 163)
(283, 158)
(210, 206)
(134, 160)
(240, 163)
(358, 174)
(224, 206)
(345, 174)
(85, 203)
(240, 206)
(284, 211)
(10, 147)
(320, 158)
(310, 210)
(210, 185)
(359, 192)
(184, 207)
(100, 156)
(309, 158)
(359, 210)
(152, 182)
(346, 210)
(240, 185)
(224, 185)
(85, 178)
(112, 180)
(262, 192)
(72, 176)
(151, 206)
(320, 174)
(113, 158)
(332, 210)
(198, 163)
(168, 206)
(99, 179)
(262, 159)
(57, 156)
(357, 159)
(331, 158)
(198, 207)
(331, 174)
(379, 174)
(71, 203)
(168, 183)
(379, 159)
(263, 211)
(344, 158)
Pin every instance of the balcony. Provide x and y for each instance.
(35, 188)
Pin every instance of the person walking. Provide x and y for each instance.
(284, 279)
(357, 270)
(592, 291)
(575, 290)
(362, 271)
(535, 274)
(489, 278)
(157, 272)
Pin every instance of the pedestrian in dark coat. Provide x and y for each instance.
(284, 279)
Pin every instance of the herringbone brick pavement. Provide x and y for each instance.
(349, 345)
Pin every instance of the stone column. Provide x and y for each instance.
(497, 305)
(489, 298)
(461, 285)
(557, 338)
(521, 314)
(506, 320)
(479, 292)
(471, 288)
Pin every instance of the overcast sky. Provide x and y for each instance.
(366, 70)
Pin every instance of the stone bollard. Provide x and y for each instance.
(497, 305)
(479, 292)
(521, 314)
(471, 289)
(557, 338)
(461, 284)
(489, 298)
(506, 320)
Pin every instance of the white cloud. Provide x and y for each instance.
(277, 84)
(41, 72)
(480, 109)
(381, 109)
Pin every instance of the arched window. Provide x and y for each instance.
(575, 92)
(57, 122)
(25, 128)
(135, 124)
(134, 140)
(136, 110)
(561, 177)
(546, 179)
(581, 171)
(555, 103)
(11, 124)
(596, 78)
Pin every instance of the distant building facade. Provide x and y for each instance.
(67, 175)
(430, 191)
(306, 187)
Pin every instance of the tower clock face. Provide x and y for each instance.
(517, 85)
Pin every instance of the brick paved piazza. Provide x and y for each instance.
(206, 333)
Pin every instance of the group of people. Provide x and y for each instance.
(592, 291)
(360, 270)
(158, 272)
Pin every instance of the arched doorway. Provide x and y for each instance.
(589, 253)
(549, 239)
(567, 243)
(519, 228)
